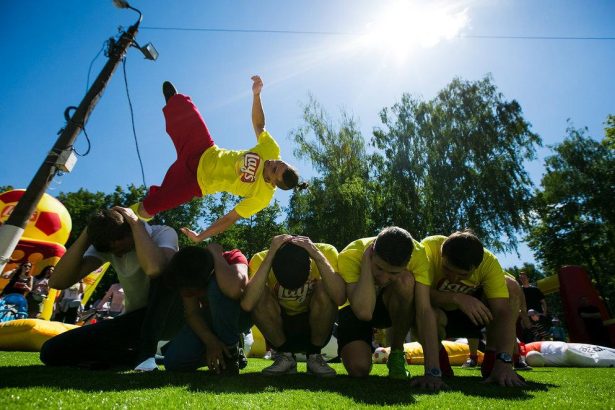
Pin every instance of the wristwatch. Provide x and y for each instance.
(433, 372)
(504, 357)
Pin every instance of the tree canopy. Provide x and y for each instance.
(574, 223)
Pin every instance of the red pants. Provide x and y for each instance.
(191, 138)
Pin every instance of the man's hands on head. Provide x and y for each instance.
(476, 310)
(278, 241)
(305, 243)
(129, 215)
(257, 84)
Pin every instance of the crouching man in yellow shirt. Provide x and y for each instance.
(462, 275)
(293, 295)
(382, 292)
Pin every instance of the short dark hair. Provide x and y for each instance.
(394, 245)
(106, 226)
(463, 250)
(291, 266)
(191, 267)
(291, 180)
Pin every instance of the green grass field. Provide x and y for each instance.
(25, 383)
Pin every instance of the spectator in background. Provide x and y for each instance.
(115, 298)
(69, 303)
(534, 298)
(538, 330)
(20, 280)
(40, 289)
(558, 333)
(593, 322)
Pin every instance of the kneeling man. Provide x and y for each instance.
(380, 276)
(462, 275)
(293, 295)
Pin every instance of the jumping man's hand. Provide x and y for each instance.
(193, 236)
(257, 85)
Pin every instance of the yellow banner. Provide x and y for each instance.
(90, 282)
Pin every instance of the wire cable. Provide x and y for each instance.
(348, 33)
(87, 83)
(132, 119)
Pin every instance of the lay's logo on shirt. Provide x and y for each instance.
(444, 285)
(251, 161)
(298, 295)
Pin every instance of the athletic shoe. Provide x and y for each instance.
(522, 366)
(317, 366)
(147, 365)
(168, 90)
(234, 362)
(135, 209)
(469, 364)
(397, 365)
(283, 363)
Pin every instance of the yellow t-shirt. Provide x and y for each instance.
(240, 173)
(489, 275)
(349, 261)
(297, 300)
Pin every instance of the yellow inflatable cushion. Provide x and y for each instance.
(28, 335)
(457, 353)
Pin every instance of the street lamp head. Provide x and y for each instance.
(149, 51)
(121, 4)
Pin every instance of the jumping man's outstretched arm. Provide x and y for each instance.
(258, 116)
(217, 227)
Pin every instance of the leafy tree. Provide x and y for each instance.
(336, 208)
(575, 217)
(456, 161)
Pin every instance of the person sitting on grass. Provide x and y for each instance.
(138, 253)
(382, 292)
(293, 295)
(462, 272)
(203, 168)
(211, 282)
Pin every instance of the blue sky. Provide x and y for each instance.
(47, 47)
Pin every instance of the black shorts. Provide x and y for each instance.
(350, 328)
(460, 325)
(298, 333)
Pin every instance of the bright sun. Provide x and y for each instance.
(406, 25)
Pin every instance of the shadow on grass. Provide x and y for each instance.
(376, 390)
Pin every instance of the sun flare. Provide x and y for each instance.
(405, 25)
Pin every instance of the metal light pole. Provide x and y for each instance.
(59, 158)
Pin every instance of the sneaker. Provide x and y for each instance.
(317, 366)
(234, 362)
(135, 209)
(168, 90)
(284, 363)
(397, 365)
(147, 365)
(522, 366)
(469, 364)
